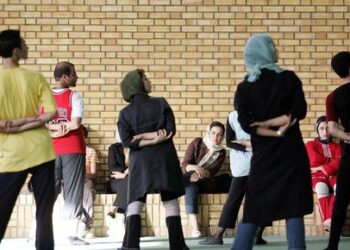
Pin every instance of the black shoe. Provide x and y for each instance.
(76, 241)
(176, 237)
(260, 241)
(212, 241)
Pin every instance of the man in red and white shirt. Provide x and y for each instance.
(69, 145)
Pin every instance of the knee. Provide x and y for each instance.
(321, 189)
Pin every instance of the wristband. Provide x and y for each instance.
(279, 133)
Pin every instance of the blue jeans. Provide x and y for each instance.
(295, 235)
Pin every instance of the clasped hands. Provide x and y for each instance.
(283, 122)
(199, 173)
(156, 137)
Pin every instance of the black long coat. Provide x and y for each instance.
(152, 168)
(279, 184)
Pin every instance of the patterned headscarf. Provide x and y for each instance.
(260, 53)
(132, 84)
(214, 149)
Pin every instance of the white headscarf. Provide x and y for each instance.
(214, 150)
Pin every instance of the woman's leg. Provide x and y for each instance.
(133, 225)
(173, 221)
(245, 236)
(259, 239)
(323, 200)
(296, 233)
(230, 210)
(191, 203)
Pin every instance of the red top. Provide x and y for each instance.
(73, 142)
(326, 156)
(330, 111)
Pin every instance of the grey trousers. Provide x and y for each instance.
(70, 175)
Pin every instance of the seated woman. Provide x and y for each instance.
(324, 155)
(118, 166)
(202, 160)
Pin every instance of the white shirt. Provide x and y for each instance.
(239, 160)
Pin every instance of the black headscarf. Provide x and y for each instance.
(318, 122)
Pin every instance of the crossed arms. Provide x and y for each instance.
(22, 124)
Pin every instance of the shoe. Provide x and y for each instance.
(111, 214)
(76, 241)
(196, 234)
(327, 225)
(260, 241)
(212, 241)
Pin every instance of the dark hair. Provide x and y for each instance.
(9, 40)
(217, 124)
(341, 64)
(85, 131)
(62, 68)
(319, 120)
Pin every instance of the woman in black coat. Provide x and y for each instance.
(147, 126)
(270, 104)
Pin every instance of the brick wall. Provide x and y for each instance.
(192, 50)
(153, 218)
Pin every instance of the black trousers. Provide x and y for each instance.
(235, 196)
(43, 183)
(341, 201)
(217, 184)
(120, 187)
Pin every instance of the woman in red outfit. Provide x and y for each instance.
(324, 155)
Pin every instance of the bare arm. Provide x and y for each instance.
(161, 135)
(27, 123)
(335, 131)
(274, 122)
(283, 127)
(63, 128)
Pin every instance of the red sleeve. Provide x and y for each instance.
(315, 153)
(332, 167)
(330, 111)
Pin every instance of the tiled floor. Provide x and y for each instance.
(152, 243)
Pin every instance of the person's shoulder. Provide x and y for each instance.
(289, 74)
(311, 143)
(32, 74)
(197, 140)
(232, 115)
(341, 88)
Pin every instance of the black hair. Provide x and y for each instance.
(218, 124)
(320, 119)
(341, 64)
(62, 68)
(9, 40)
